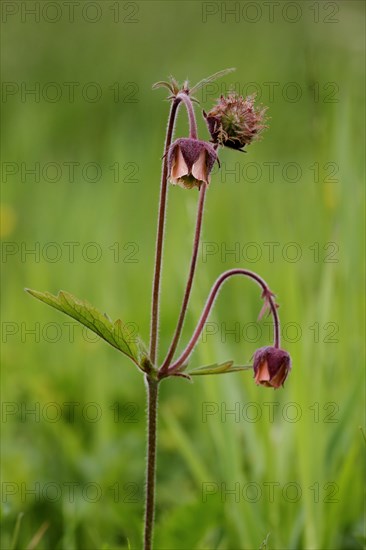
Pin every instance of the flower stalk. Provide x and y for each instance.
(266, 293)
(151, 381)
(162, 210)
(152, 396)
(183, 96)
(160, 234)
(187, 293)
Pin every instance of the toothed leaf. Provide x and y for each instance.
(116, 334)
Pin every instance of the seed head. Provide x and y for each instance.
(234, 121)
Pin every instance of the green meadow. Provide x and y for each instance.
(240, 466)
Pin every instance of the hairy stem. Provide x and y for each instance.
(152, 382)
(187, 293)
(191, 116)
(160, 234)
(206, 311)
(162, 209)
(152, 391)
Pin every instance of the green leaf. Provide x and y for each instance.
(218, 368)
(210, 79)
(116, 334)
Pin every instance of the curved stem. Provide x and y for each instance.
(152, 389)
(206, 311)
(183, 311)
(162, 208)
(191, 116)
(160, 233)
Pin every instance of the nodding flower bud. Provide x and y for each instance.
(271, 366)
(190, 162)
(235, 121)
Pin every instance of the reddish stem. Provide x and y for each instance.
(152, 392)
(183, 311)
(162, 209)
(191, 116)
(160, 234)
(206, 311)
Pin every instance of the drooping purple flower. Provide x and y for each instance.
(271, 366)
(190, 162)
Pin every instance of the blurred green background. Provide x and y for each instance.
(93, 131)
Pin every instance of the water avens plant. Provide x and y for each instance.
(233, 122)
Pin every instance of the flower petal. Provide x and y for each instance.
(278, 379)
(179, 167)
(262, 374)
(199, 168)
